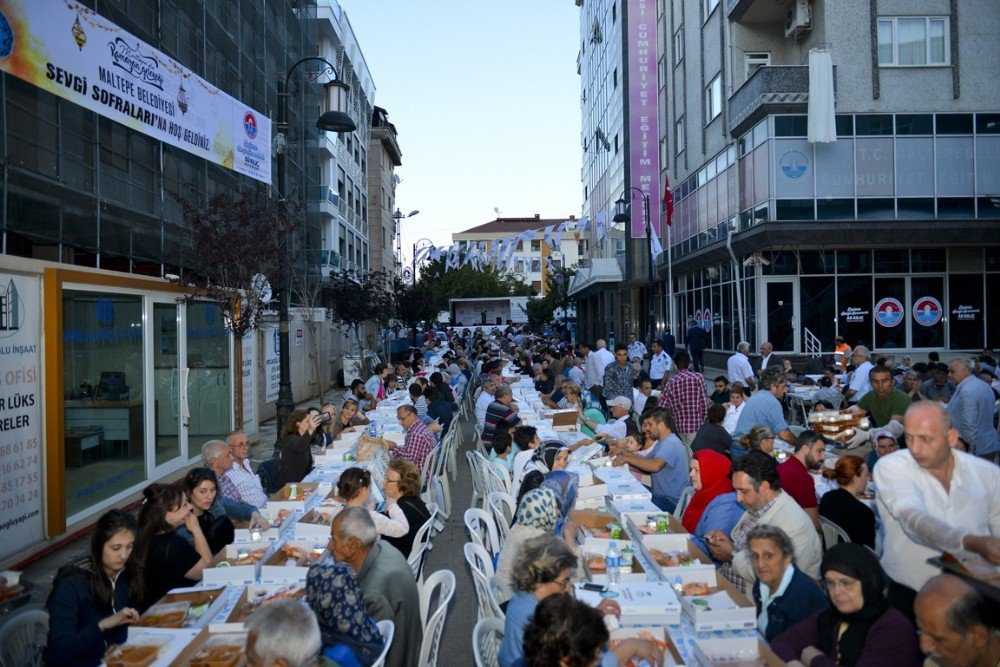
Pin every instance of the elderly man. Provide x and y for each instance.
(385, 579)
(933, 498)
(660, 364)
(502, 409)
(485, 398)
(216, 455)
(283, 634)
(666, 464)
(574, 369)
(685, 395)
(958, 626)
(738, 367)
(796, 472)
(884, 402)
(618, 376)
(764, 407)
(767, 358)
(860, 383)
(244, 480)
(758, 489)
(971, 409)
(621, 424)
(419, 441)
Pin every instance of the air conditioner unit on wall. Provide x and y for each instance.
(798, 19)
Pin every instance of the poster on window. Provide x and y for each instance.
(20, 414)
(249, 396)
(71, 51)
(272, 367)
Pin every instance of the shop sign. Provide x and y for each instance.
(706, 319)
(927, 311)
(966, 313)
(889, 312)
(272, 368)
(644, 154)
(20, 414)
(248, 382)
(71, 51)
(854, 314)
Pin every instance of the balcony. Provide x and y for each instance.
(770, 90)
(756, 11)
(327, 143)
(324, 201)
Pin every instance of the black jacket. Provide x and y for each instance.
(74, 637)
(296, 458)
(801, 599)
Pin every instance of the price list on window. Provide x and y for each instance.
(20, 413)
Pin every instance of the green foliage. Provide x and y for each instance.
(542, 309)
(437, 286)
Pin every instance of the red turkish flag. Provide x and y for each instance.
(668, 200)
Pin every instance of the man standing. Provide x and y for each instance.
(419, 440)
(685, 396)
(385, 579)
(604, 355)
(738, 368)
(971, 409)
(696, 340)
(245, 481)
(933, 498)
(669, 343)
(764, 407)
(593, 370)
(860, 383)
(660, 364)
(758, 489)
(500, 410)
(841, 354)
(796, 480)
(618, 376)
(958, 626)
(636, 348)
(767, 357)
(666, 464)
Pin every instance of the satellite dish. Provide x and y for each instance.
(260, 285)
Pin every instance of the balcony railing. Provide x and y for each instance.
(770, 90)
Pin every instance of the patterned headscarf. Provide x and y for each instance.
(563, 484)
(539, 509)
(334, 594)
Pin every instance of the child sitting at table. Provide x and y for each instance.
(503, 451)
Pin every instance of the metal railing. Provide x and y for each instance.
(813, 347)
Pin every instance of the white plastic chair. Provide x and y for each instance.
(421, 544)
(832, 533)
(498, 593)
(503, 507)
(486, 639)
(442, 498)
(496, 475)
(483, 530)
(478, 481)
(481, 566)
(388, 629)
(440, 585)
(683, 502)
(23, 636)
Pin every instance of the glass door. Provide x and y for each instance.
(208, 375)
(167, 441)
(781, 321)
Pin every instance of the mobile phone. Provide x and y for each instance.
(325, 418)
(590, 586)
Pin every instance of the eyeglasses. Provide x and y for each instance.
(564, 583)
(389, 480)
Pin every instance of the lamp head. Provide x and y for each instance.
(337, 118)
(621, 211)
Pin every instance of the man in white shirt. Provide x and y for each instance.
(604, 356)
(640, 395)
(766, 354)
(933, 498)
(636, 348)
(484, 400)
(593, 374)
(860, 383)
(660, 364)
(738, 367)
(575, 372)
(242, 476)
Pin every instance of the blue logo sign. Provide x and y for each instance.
(250, 124)
(889, 312)
(6, 37)
(794, 164)
(105, 312)
(927, 311)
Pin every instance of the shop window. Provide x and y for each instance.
(928, 329)
(881, 208)
(818, 306)
(954, 123)
(854, 261)
(817, 261)
(927, 260)
(966, 310)
(892, 261)
(103, 383)
(992, 318)
(835, 209)
(209, 345)
(854, 309)
(795, 209)
(781, 264)
(915, 208)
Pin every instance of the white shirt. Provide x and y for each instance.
(764, 361)
(604, 357)
(921, 519)
(738, 369)
(732, 417)
(482, 403)
(636, 349)
(659, 365)
(248, 484)
(860, 382)
(614, 429)
(576, 375)
(639, 401)
(593, 371)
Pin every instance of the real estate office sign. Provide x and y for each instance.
(67, 49)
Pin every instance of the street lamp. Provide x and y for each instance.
(336, 119)
(623, 214)
(398, 217)
(428, 245)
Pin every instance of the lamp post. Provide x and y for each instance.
(622, 214)
(398, 217)
(429, 244)
(336, 119)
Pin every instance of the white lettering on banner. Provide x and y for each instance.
(105, 69)
(966, 313)
(643, 148)
(249, 395)
(20, 414)
(853, 314)
(272, 369)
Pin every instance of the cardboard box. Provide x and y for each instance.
(202, 604)
(599, 547)
(592, 491)
(234, 573)
(564, 420)
(733, 651)
(625, 507)
(276, 569)
(718, 611)
(250, 599)
(608, 474)
(592, 519)
(315, 524)
(652, 633)
(214, 649)
(642, 603)
(592, 504)
(628, 489)
(166, 645)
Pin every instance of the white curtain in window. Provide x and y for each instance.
(937, 41)
(912, 37)
(822, 125)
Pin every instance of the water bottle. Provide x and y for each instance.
(372, 429)
(613, 563)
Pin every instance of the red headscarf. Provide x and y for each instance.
(714, 469)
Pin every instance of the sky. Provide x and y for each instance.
(486, 102)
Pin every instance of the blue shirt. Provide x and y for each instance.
(672, 478)
(761, 408)
(971, 410)
(723, 513)
(520, 609)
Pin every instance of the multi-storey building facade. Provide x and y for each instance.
(383, 158)
(887, 236)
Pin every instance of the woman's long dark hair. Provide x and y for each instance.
(158, 499)
(92, 566)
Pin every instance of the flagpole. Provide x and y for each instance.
(670, 278)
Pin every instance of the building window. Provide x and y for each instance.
(680, 130)
(679, 44)
(536, 246)
(614, 12)
(754, 61)
(709, 6)
(913, 41)
(713, 98)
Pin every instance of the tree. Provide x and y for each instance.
(542, 309)
(467, 282)
(356, 298)
(414, 304)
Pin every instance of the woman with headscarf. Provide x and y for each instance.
(859, 629)
(713, 505)
(548, 457)
(350, 637)
(537, 514)
(564, 485)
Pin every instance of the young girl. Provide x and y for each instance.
(94, 597)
